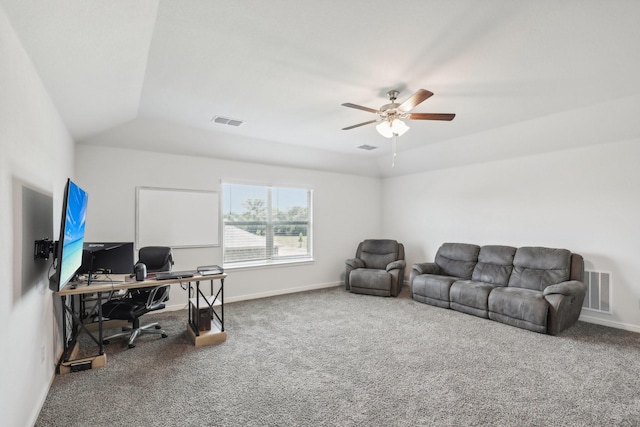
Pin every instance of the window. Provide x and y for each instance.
(265, 225)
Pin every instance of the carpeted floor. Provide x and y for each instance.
(329, 357)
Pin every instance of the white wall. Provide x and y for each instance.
(346, 210)
(584, 199)
(36, 152)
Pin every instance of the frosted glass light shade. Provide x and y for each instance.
(387, 129)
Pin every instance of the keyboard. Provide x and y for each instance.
(169, 275)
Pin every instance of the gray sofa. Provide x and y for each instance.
(535, 288)
(377, 269)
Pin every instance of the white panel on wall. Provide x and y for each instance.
(177, 218)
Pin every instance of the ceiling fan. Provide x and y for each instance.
(389, 118)
(390, 114)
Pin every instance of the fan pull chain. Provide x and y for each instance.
(394, 145)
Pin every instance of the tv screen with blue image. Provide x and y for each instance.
(69, 251)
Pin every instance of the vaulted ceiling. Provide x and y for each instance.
(152, 74)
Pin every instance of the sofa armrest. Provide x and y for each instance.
(355, 263)
(565, 304)
(426, 268)
(395, 265)
(571, 288)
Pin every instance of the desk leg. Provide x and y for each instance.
(190, 314)
(67, 346)
(100, 323)
(222, 305)
(196, 320)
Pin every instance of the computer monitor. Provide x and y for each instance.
(107, 258)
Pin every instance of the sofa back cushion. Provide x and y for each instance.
(495, 264)
(536, 268)
(457, 259)
(379, 253)
(577, 267)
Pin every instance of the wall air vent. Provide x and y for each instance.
(598, 296)
(227, 121)
(367, 147)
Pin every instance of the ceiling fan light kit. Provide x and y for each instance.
(388, 128)
(389, 121)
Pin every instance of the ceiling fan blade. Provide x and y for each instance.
(360, 124)
(431, 116)
(415, 99)
(360, 107)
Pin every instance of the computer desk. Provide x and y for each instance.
(198, 300)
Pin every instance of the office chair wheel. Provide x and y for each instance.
(132, 345)
(105, 341)
(164, 335)
(158, 327)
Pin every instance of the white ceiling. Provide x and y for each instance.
(152, 74)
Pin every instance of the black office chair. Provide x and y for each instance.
(140, 301)
(156, 259)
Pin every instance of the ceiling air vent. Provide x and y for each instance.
(227, 121)
(367, 147)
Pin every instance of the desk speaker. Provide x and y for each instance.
(140, 270)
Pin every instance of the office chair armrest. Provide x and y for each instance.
(152, 300)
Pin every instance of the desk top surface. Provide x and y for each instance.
(126, 282)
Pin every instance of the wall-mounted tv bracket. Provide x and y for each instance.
(42, 248)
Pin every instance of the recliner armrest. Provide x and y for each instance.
(569, 288)
(395, 265)
(426, 268)
(355, 263)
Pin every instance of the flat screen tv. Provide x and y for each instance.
(68, 250)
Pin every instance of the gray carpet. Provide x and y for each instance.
(329, 357)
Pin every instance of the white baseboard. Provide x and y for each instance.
(610, 323)
(182, 306)
(282, 292)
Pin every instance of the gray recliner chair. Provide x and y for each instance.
(377, 269)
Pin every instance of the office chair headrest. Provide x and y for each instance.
(156, 258)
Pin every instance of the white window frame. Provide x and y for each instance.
(269, 223)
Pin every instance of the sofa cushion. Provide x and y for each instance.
(524, 308)
(495, 264)
(379, 253)
(457, 259)
(471, 297)
(367, 278)
(432, 289)
(536, 268)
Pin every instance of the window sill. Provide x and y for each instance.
(267, 264)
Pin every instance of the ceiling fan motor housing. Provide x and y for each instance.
(389, 109)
